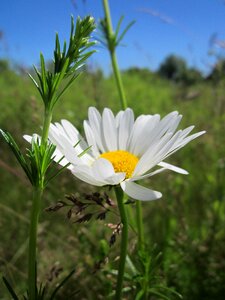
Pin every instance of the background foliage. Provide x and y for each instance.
(186, 225)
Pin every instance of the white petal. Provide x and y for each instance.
(148, 160)
(99, 174)
(118, 117)
(147, 136)
(84, 173)
(186, 131)
(91, 139)
(74, 135)
(95, 122)
(28, 138)
(60, 159)
(138, 192)
(141, 129)
(109, 130)
(54, 137)
(102, 168)
(160, 156)
(70, 152)
(70, 130)
(135, 178)
(57, 155)
(167, 125)
(104, 171)
(172, 168)
(125, 126)
(192, 137)
(182, 142)
(173, 126)
(161, 152)
(116, 178)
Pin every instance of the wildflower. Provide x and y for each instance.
(121, 150)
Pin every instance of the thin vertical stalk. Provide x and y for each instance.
(111, 48)
(140, 227)
(47, 121)
(124, 242)
(34, 218)
(35, 210)
(118, 80)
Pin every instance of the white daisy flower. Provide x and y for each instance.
(122, 150)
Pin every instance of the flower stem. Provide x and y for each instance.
(35, 210)
(111, 48)
(47, 121)
(124, 242)
(140, 227)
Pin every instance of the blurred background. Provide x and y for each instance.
(172, 58)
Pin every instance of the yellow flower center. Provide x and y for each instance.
(122, 161)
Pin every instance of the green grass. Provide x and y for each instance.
(187, 224)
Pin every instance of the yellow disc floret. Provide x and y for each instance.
(122, 161)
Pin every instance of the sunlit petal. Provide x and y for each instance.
(138, 192)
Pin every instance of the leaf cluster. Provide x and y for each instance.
(37, 160)
(41, 291)
(67, 61)
(146, 278)
(112, 39)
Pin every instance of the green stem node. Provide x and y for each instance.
(111, 48)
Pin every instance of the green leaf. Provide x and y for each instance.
(43, 75)
(124, 32)
(171, 291)
(85, 151)
(19, 156)
(160, 295)
(10, 289)
(65, 88)
(139, 295)
(66, 61)
(118, 26)
(61, 284)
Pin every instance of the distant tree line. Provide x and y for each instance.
(173, 68)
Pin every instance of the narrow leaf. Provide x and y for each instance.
(10, 289)
(118, 26)
(61, 284)
(124, 32)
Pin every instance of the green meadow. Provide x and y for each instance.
(184, 230)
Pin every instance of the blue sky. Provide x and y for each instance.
(162, 27)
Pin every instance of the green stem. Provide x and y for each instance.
(119, 83)
(35, 210)
(124, 242)
(140, 227)
(111, 48)
(47, 121)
